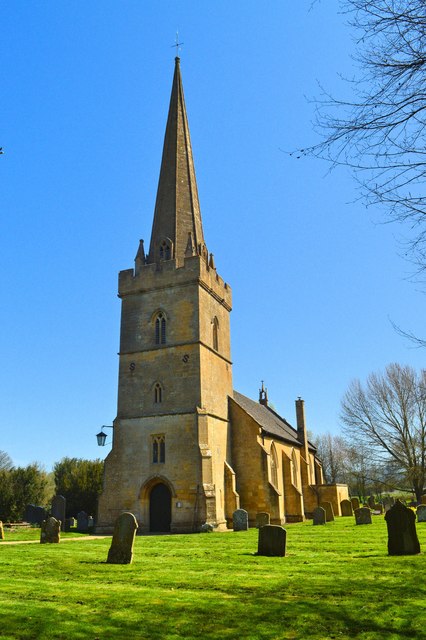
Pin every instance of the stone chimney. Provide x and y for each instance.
(263, 395)
(302, 435)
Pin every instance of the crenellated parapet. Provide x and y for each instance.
(198, 268)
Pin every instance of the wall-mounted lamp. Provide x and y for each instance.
(101, 436)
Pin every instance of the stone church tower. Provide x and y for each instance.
(170, 461)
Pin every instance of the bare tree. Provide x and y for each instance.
(332, 451)
(5, 461)
(379, 131)
(387, 416)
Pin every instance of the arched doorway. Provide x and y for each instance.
(160, 508)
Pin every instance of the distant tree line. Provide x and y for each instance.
(78, 480)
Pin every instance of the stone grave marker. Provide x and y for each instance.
(1, 531)
(319, 516)
(121, 549)
(424, 498)
(377, 508)
(421, 513)
(329, 513)
(29, 514)
(262, 519)
(206, 528)
(40, 514)
(50, 530)
(82, 522)
(272, 540)
(58, 509)
(90, 522)
(240, 520)
(346, 508)
(355, 503)
(402, 535)
(371, 502)
(363, 515)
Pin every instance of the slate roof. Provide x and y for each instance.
(270, 422)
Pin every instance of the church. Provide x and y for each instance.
(187, 448)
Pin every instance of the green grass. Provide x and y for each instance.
(337, 581)
(33, 533)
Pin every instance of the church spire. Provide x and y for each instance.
(177, 209)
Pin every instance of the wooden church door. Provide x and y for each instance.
(160, 508)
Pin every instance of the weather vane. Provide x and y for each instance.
(177, 44)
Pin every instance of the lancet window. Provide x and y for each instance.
(160, 329)
(158, 393)
(158, 449)
(215, 329)
(274, 465)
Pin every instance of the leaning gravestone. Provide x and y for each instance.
(58, 509)
(319, 516)
(363, 515)
(402, 535)
(240, 520)
(329, 513)
(346, 508)
(50, 529)
(262, 519)
(355, 503)
(1, 531)
(121, 549)
(421, 513)
(82, 522)
(272, 540)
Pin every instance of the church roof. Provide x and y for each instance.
(270, 422)
(177, 208)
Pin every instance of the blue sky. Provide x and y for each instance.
(316, 277)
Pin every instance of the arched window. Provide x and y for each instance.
(274, 466)
(165, 250)
(158, 393)
(160, 328)
(215, 329)
(295, 470)
(158, 449)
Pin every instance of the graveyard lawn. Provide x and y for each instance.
(33, 533)
(337, 581)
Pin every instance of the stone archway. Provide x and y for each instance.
(160, 508)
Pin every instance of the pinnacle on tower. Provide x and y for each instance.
(177, 209)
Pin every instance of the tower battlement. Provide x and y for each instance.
(167, 274)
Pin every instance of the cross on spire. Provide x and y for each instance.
(177, 44)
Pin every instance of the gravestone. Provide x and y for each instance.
(272, 540)
(50, 529)
(329, 513)
(424, 498)
(121, 549)
(363, 515)
(240, 520)
(402, 535)
(355, 503)
(90, 522)
(58, 509)
(40, 514)
(371, 502)
(206, 528)
(1, 531)
(421, 513)
(262, 519)
(319, 516)
(346, 508)
(377, 508)
(29, 514)
(82, 522)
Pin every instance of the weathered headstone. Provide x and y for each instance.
(240, 520)
(377, 508)
(82, 522)
(371, 501)
(421, 513)
(402, 535)
(90, 522)
(262, 519)
(363, 515)
(355, 503)
(424, 498)
(319, 516)
(121, 549)
(272, 540)
(346, 508)
(1, 531)
(50, 530)
(58, 509)
(329, 513)
(207, 528)
(29, 514)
